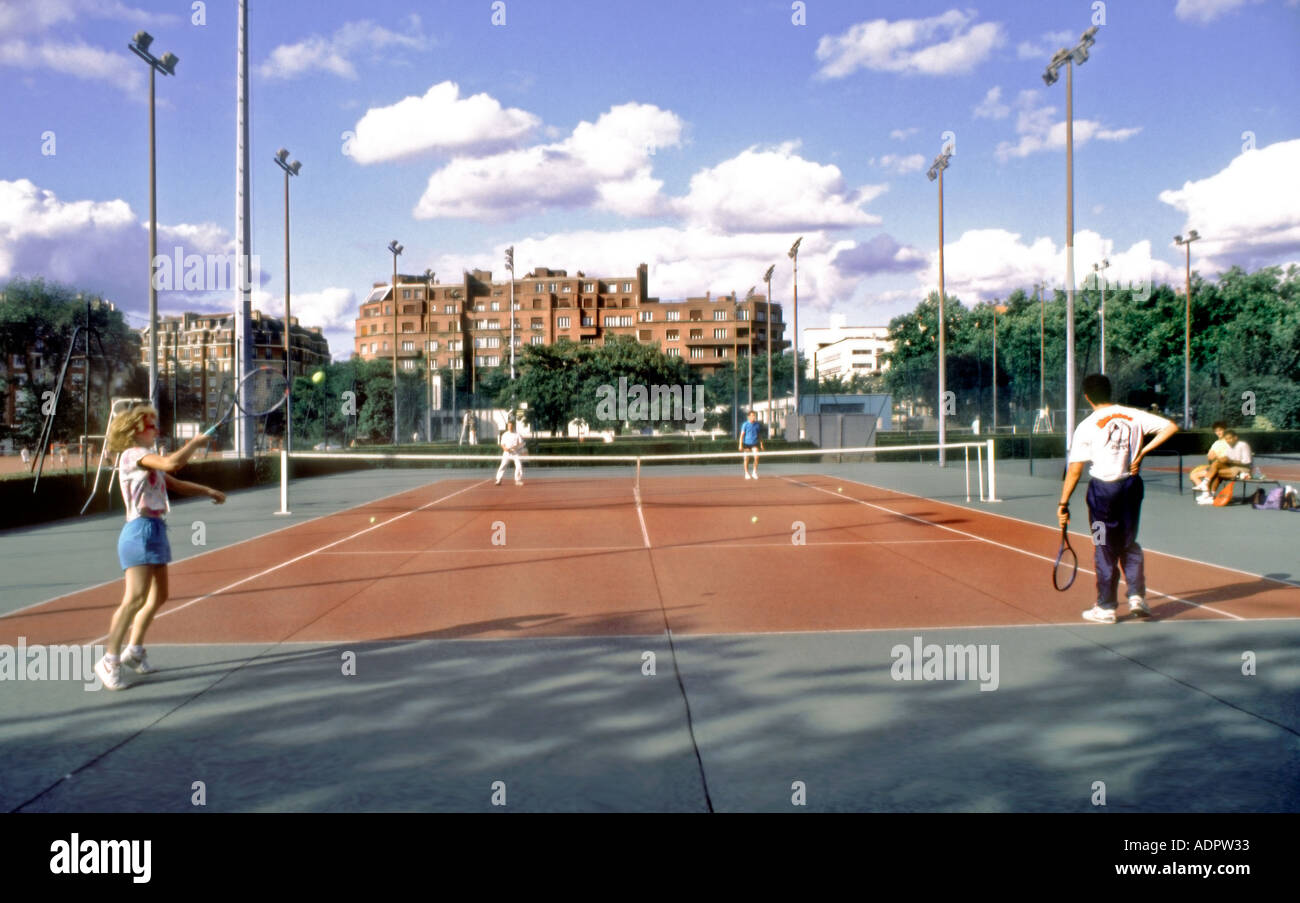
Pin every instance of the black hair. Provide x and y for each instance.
(1097, 388)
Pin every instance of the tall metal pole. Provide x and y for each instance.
(794, 326)
(510, 265)
(943, 383)
(290, 169)
(995, 371)
(771, 411)
(153, 252)
(396, 439)
(735, 372)
(1099, 269)
(243, 240)
(749, 349)
(1069, 252)
(1042, 391)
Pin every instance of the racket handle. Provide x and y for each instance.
(212, 429)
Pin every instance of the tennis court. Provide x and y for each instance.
(662, 635)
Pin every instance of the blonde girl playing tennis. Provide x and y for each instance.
(142, 547)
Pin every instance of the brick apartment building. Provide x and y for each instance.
(466, 325)
(200, 347)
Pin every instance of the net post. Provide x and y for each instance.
(284, 482)
(993, 473)
(965, 449)
(979, 468)
(637, 484)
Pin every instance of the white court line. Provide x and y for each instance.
(284, 564)
(1226, 614)
(636, 493)
(232, 545)
(702, 546)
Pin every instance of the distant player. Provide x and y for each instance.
(1230, 458)
(1111, 439)
(751, 441)
(142, 547)
(512, 445)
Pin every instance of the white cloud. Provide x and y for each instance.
(1246, 211)
(1039, 131)
(1045, 45)
(605, 164)
(440, 120)
(897, 163)
(35, 16)
(983, 264)
(903, 134)
(775, 190)
(335, 54)
(992, 107)
(940, 45)
(1203, 11)
(77, 59)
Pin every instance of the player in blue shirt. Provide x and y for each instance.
(751, 440)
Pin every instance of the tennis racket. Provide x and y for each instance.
(1067, 564)
(262, 390)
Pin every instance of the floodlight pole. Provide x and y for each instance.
(396, 249)
(771, 410)
(794, 327)
(1067, 58)
(936, 172)
(1192, 236)
(290, 169)
(166, 64)
(1098, 268)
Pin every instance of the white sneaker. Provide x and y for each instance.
(139, 665)
(498, 481)
(1100, 615)
(1203, 486)
(1137, 606)
(109, 675)
(756, 476)
(1205, 499)
(747, 475)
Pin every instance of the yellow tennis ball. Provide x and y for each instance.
(318, 377)
(753, 520)
(372, 520)
(839, 488)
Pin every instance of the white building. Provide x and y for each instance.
(842, 351)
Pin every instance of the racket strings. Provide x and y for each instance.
(265, 389)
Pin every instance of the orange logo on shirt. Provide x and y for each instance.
(1105, 420)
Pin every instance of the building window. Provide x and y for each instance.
(536, 323)
(762, 316)
(627, 286)
(674, 315)
(567, 288)
(588, 287)
(697, 333)
(611, 321)
(646, 316)
(449, 308)
(496, 305)
(674, 335)
(719, 333)
(385, 346)
(552, 286)
(538, 340)
(562, 322)
(696, 352)
(674, 352)
(408, 364)
(719, 352)
(538, 288)
(719, 315)
(625, 321)
(433, 345)
(408, 346)
(588, 321)
(744, 314)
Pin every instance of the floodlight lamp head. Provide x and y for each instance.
(794, 248)
(1079, 55)
(142, 40)
(1049, 77)
(394, 247)
(1178, 239)
(168, 62)
(1193, 235)
(767, 277)
(294, 167)
(282, 154)
(1089, 37)
(1105, 262)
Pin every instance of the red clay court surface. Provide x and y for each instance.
(584, 557)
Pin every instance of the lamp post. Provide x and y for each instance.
(396, 249)
(166, 64)
(510, 265)
(997, 309)
(1042, 388)
(428, 375)
(1192, 236)
(936, 172)
(749, 344)
(1067, 58)
(771, 410)
(793, 254)
(290, 169)
(1101, 281)
(735, 372)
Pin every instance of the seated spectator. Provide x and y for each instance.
(1234, 460)
(1217, 450)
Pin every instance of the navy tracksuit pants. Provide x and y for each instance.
(1113, 513)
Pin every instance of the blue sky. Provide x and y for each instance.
(699, 138)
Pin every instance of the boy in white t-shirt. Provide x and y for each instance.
(1111, 440)
(512, 444)
(1230, 458)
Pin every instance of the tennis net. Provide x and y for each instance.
(969, 471)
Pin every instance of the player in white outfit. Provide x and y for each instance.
(512, 445)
